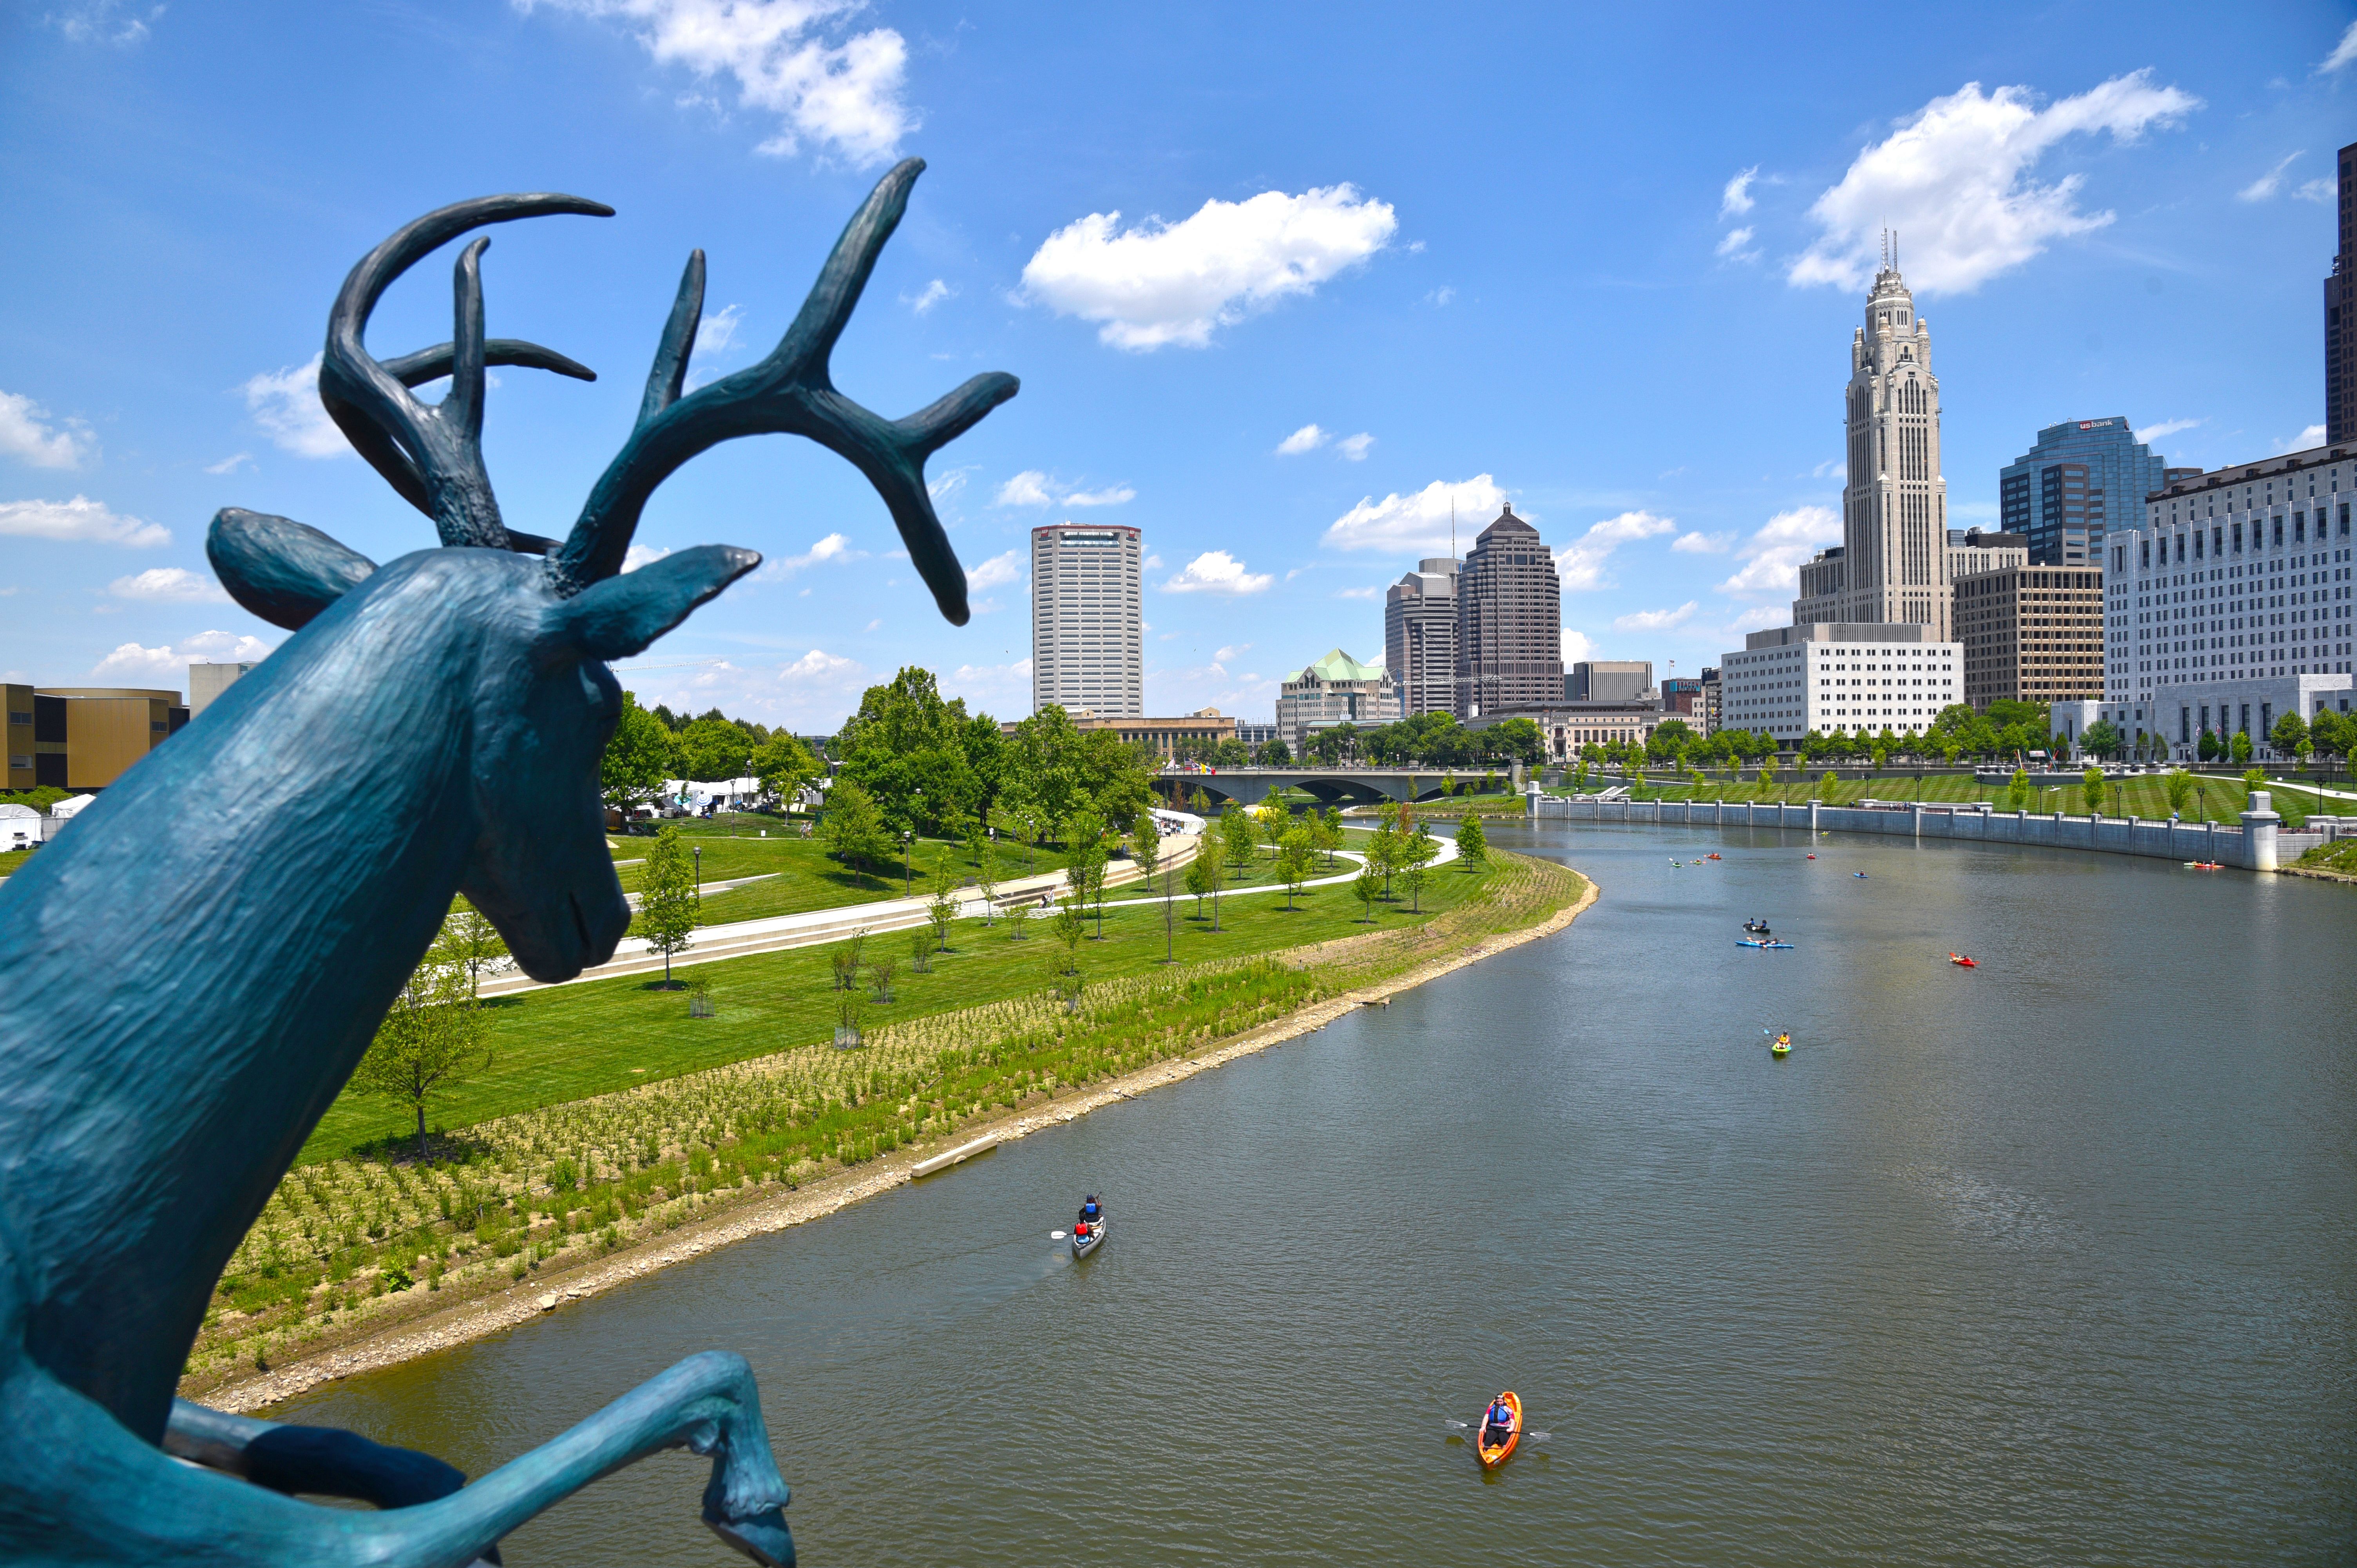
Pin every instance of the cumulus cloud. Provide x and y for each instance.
(29, 432)
(1232, 652)
(1580, 563)
(2313, 436)
(1417, 523)
(131, 664)
(2166, 427)
(638, 555)
(1029, 488)
(846, 98)
(81, 520)
(1217, 572)
(1034, 488)
(1737, 246)
(989, 687)
(2267, 184)
(931, 295)
(2320, 191)
(1308, 438)
(996, 572)
(1655, 620)
(1702, 543)
(1773, 557)
(285, 403)
(1355, 447)
(1955, 180)
(1759, 618)
(1160, 283)
(834, 550)
(175, 585)
(1735, 199)
(1578, 647)
(105, 22)
(1112, 495)
(2342, 53)
(1365, 593)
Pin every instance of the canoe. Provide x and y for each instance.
(1083, 1245)
(1761, 942)
(1491, 1457)
(1782, 1046)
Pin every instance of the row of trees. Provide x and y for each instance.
(2329, 735)
(646, 752)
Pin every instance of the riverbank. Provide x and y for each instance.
(580, 1260)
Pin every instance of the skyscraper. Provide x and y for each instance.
(1893, 562)
(2340, 318)
(1088, 643)
(1420, 637)
(1509, 621)
(2082, 475)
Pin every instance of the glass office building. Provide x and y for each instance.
(2082, 474)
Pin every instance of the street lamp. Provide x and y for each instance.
(697, 852)
(908, 862)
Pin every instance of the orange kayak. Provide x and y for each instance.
(1496, 1454)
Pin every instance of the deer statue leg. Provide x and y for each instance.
(85, 1490)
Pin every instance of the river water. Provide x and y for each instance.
(2050, 1261)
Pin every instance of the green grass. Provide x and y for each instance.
(2221, 797)
(12, 861)
(801, 875)
(570, 1042)
(2340, 855)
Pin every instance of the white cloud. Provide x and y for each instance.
(1217, 572)
(105, 22)
(1418, 524)
(1112, 495)
(1355, 447)
(168, 665)
(717, 332)
(1735, 245)
(285, 403)
(1736, 199)
(26, 431)
(996, 572)
(1655, 620)
(638, 555)
(81, 520)
(2311, 436)
(991, 688)
(1232, 652)
(1578, 647)
(1152, 562)
(1580, 563)
(1759, 618)
(1772, 556)
(931, 295)
(1954, 180)
(1367, 593)
(2320, 191)
(2342, 53)
(231, 465)
(845, 97)
(175, 583)
(834, 550)
(1307, 439)
(1836, 468)
(1441, 296)
(2166, 427)
(1029, 488)
(949, 482)
(1702, 543)
(1162, 283)
(2267, 184)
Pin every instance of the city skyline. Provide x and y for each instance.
(1262, 437)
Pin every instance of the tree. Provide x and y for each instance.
(1366, 888)
(1071, 926)
(2091, 791)
(638, 761)
(2017, 790)
(1420, 851)
(1198, 877)
(2178, 785)
(1217, 876)
(1146, 844)
(1236, 833)
(1274, 753)
(1271, 817)
(1293, 861)
(2254, 778)
(713, 749)
(1170, 924)
(1472, 843)
(783, 765)
(2205, 746)
(1826, 783)
(943, 909)
(2288, 736)
(2242, 747)
(2101, 738)
(984, 851)
(471, 941)
(431, 1041)
(854, 830)
(908, 749)
(1516, 739)
(1086, 868)
(667, 900)
(1325, 832)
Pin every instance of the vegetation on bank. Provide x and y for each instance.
(350, 1245)
(2339, 856)
(2207, 796)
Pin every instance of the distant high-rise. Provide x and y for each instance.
(1610, 679)
(1088, 636)
(2081, 477)
(1420, 637)
(1509, 621)
(2340, 316)
(1893, 565)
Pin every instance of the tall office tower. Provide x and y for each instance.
(1420, 637)
(1509, 621)
(2081, 477)
(2340, 318)
(1610, 681)
(1894, 560)
(1088, 640)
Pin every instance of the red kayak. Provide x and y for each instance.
(1963, 961)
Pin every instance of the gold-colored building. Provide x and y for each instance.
(82, 738)
(2031, 634)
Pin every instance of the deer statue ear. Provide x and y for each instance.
(283, 571)
(620, 615)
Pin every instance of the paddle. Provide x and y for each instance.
(1469, 1426)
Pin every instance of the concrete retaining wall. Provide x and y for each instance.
(2114, 835)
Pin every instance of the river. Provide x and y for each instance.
(2050, 1261)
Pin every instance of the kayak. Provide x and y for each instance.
(2204, 866)
(1082, 1245)
(1963, 960)
(1495, 1455)
(1757, 942)
(1783, 1046)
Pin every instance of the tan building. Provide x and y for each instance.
(82, 738)
(1165, 736)
(2031, 634)
(208, 681)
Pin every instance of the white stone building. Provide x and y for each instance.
(2232, 605)
(1337, 690)
(1088, 627)
(1855, 676)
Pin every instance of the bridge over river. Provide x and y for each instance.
(1334, 786)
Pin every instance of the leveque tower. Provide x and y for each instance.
(1893, 565)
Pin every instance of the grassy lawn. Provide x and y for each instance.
(2340, 856)
(12, 861)
(574, 1041)
(2222, 798)
(802, 876)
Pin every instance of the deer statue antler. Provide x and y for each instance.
(434, 456)
(791, 392)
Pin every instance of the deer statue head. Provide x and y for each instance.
(526, 624)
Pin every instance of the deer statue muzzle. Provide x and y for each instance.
(199, 966)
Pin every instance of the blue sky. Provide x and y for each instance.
(1603, 263)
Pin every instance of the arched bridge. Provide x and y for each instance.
(1334, 786)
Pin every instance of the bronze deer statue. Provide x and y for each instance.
(197, 968)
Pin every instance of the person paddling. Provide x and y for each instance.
(1498, 1425)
